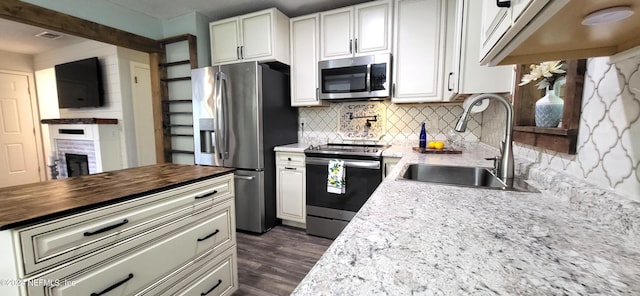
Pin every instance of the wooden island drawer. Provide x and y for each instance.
(134, 269)
(61, 240)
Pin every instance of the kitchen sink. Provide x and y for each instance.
(477, 177)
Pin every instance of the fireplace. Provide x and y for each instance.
(85, 146)
(77, 164)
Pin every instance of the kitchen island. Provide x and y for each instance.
(414, 238)
(158, 229)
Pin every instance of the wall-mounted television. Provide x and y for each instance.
(80, 84)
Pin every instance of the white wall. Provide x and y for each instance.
(113, 108)
(608, 152)
(47, 102)
(16, 62)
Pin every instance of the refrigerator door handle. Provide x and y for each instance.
(223, 117)
(248, 178)
(218, 124)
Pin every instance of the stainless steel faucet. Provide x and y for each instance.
(503, 165)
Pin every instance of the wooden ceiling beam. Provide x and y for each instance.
(53, 20)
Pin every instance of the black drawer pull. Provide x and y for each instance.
(208, 236)
(118, 284)
(206, 194)
(289, 158)
(90, 233)
(213, 288)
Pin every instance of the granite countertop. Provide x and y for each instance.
(31, 203)
(414, 238)
(295, 147)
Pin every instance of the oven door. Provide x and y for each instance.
(362, 177)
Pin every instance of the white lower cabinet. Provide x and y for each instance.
(388, 163)
(291, 187)
(195, 233)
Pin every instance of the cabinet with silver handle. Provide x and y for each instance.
(290, 188)
(258, 36)
(362, 29)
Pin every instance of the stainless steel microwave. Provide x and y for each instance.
(355, 78)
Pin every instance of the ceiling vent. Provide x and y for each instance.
(49, 35)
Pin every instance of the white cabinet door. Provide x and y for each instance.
(291, 194)
(419, 43)
(356, 30)
(495, 22)
(256, 35)
(373, 28)
(225, 43)
(517, 7)
(304, 60)
(291, 187)
(466, 75)
(337, 33)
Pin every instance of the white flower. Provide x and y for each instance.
(548, 71)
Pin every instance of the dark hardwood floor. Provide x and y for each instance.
(275, 262)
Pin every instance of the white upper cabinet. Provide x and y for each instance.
(262, 35)
(305, 32)
(225, 43)
(373, 28)
(531, 31)
(466, 75)
(356, 30)
(337, 33)
(419, 50)
(495, 22)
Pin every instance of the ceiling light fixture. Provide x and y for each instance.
(49, 35)
(607, 15)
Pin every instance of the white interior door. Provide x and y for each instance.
(19, 160)
(143, 114)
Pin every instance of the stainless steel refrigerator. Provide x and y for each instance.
(240, 113)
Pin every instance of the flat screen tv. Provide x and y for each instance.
(79, 84)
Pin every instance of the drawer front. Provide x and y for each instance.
(136, 268)
(289, 159)
(220, 279)
(213, 273)
(62, 240)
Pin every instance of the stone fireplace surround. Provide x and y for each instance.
(97, 138)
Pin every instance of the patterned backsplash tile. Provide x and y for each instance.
(397, 124)
(363, 121)
(608, 152)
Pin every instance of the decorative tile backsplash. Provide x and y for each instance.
(361, 121)
(399, 123)
(608, 152)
